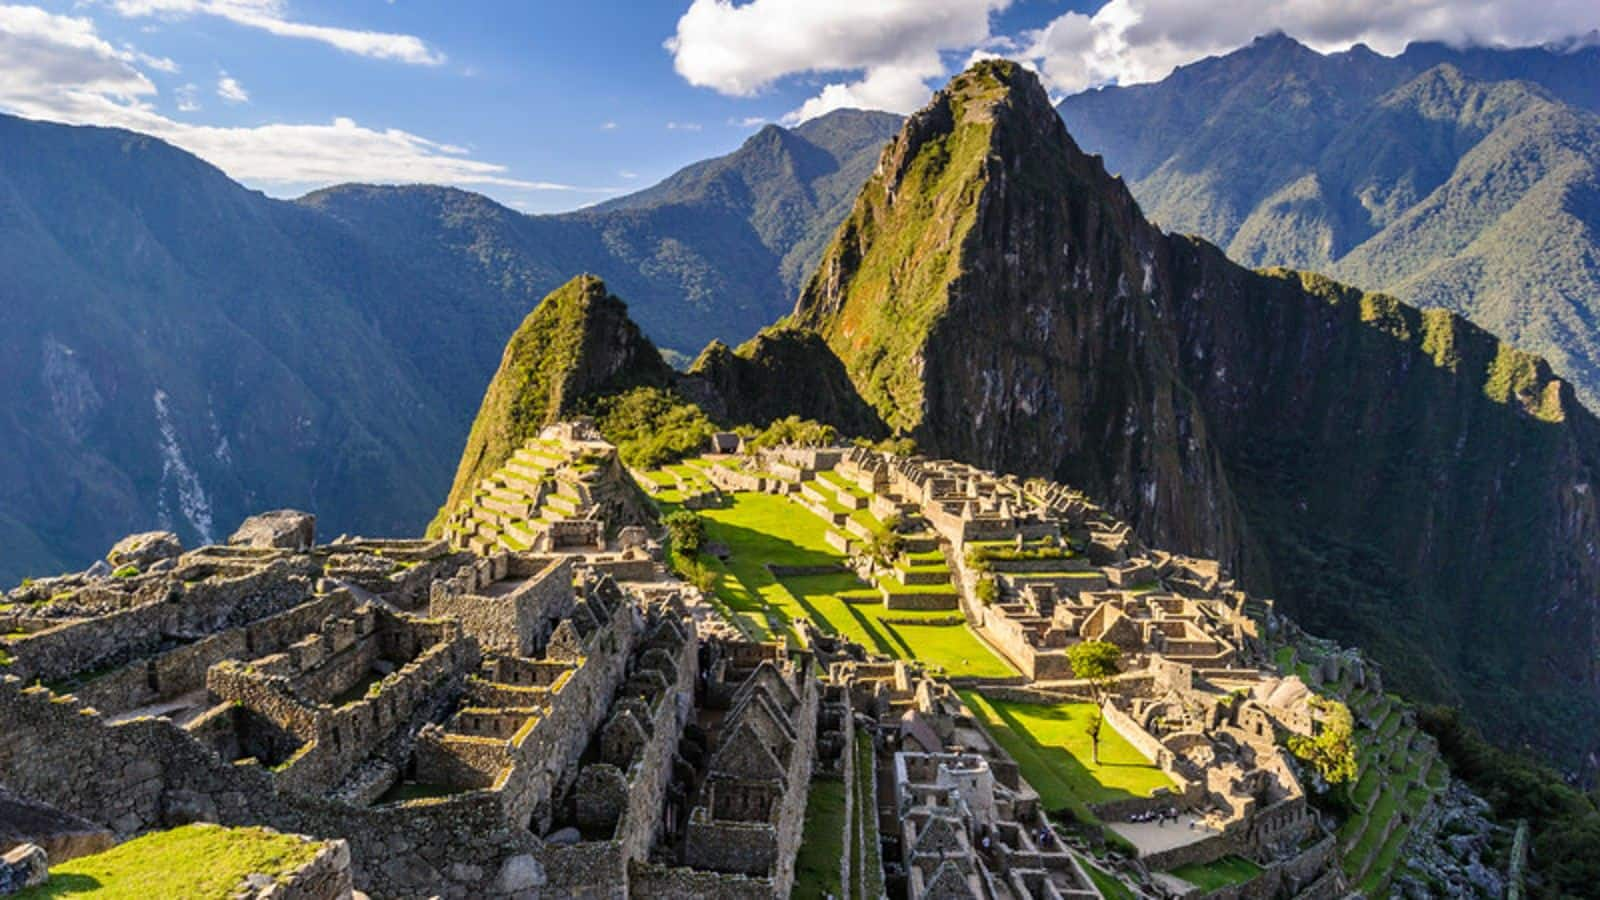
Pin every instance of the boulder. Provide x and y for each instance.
(23, 866)
(520, 873)
(100, 570)
(145, 549)
(282, 529)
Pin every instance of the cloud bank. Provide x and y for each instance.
(58, 67)
(889, 54)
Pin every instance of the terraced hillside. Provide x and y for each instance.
(1401, 777)
(543, 494)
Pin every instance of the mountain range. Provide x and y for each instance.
(1462, 179)
(180, 351)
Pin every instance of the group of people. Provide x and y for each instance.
(1158, 816)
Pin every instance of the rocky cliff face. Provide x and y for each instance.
(996, 295)
(1397, 478)
(577, 343)
(777, 373)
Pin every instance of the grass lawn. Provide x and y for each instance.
(953, 648)
(196, 861)
(1050, 742)
(1109, 885)
(816, 867)
(762, 529)
(1226, 871)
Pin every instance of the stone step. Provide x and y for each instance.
(923, 575)
(565, 507)
(539, 458)
(515, 509)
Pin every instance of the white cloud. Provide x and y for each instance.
(628, 175)
(1130, 41)
(230, 90)
(894, 45)
(271, 16)
(58, 68)
(683, 126)
(608, 126)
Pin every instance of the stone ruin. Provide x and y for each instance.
(512, 724)
(517, 709)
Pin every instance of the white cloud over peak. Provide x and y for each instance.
(272, 17)
(888, 54)
(59, 68)
(1128, 41)
(229, 89)
(892, 45)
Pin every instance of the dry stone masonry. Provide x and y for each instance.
(532, 705)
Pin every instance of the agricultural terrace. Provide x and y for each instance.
(762, 530)
(1051, 744)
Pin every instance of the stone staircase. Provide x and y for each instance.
(516, 503)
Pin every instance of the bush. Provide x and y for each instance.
(697, 573)
(127, 571)
(794, 431)
(687, 532)
(988, 590)
(653, 427)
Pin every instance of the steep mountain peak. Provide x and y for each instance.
(987, 266)
(578, 342)
(897, 263)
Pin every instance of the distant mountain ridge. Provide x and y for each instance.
(180, 351)
(716, 251)
(1462, 178)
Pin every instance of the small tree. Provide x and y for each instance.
(988, 589)
(1330, 753)
(1096, 662)
(687, 532)
(886, 542)
(702, 576)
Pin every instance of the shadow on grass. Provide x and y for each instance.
(1064, 764)
(63, 885)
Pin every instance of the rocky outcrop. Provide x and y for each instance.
(23, 866)
(777, 373)
(144, 550)
(1397, 479)
(61, 835)
(281, 529)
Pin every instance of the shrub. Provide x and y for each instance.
(796, 432)
(127, 571)
(653, 427)
(1331, 753)
(988, 590)
(687, 532)
(697, 573)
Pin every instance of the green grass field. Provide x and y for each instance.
(953, 648)
(762, 529)
(196, 862)
(816, 867)
(1051, 744)
(1229, 870)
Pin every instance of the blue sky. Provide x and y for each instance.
(553, 105)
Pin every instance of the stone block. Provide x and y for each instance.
(144, 550)
(282, 529)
